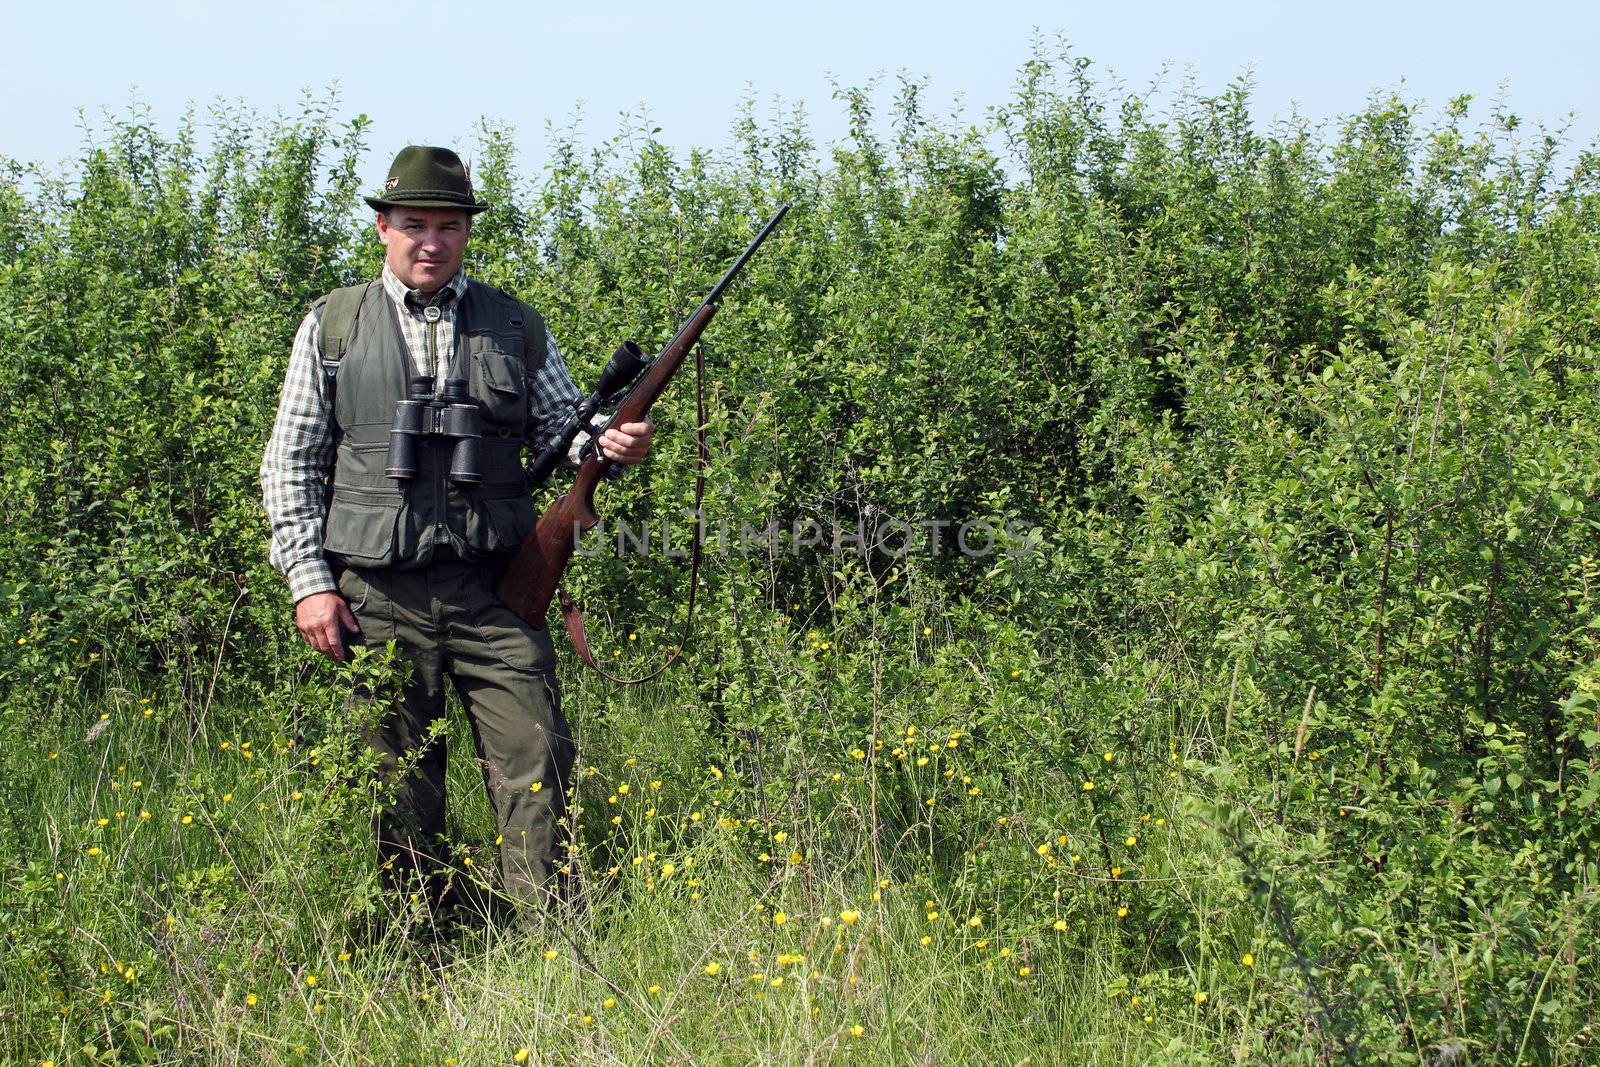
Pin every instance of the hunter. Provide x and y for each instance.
(396, 490)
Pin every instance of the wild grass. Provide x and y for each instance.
(201, 888)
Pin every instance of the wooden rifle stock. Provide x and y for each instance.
(529, 583)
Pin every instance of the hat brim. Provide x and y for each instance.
(378, 203)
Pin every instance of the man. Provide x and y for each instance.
(403, 536)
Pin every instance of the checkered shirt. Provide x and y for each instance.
(300, 454)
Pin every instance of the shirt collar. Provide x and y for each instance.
(456, 287)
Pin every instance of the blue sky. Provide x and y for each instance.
(426, 72)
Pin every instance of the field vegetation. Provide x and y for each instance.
(1268, 731)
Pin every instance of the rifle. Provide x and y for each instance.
(530, 581)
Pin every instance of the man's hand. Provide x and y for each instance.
(627, 444)
(322, 619)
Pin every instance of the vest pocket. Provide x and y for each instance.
(361, 529)
(503, 373)
(510, 520)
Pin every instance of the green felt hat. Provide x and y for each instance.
(425, 176)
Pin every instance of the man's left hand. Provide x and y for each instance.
(628, 443)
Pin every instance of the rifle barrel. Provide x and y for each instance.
(748, 252)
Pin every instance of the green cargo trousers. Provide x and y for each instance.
(446, 620)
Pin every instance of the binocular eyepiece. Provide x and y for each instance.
(451, 413)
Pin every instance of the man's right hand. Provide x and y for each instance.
(323, 619)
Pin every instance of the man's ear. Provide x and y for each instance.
(381, 220)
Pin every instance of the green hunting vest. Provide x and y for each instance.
(378, 521)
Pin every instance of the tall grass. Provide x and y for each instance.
(225, 909)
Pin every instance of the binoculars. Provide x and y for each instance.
(451, 413)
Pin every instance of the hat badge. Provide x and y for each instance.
(391, 183)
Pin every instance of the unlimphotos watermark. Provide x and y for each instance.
(895, 538)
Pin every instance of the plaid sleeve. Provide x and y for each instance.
(551, 398)
(295, 470)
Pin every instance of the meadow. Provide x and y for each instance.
(1268, 730)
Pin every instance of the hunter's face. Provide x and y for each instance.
(424, 245)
